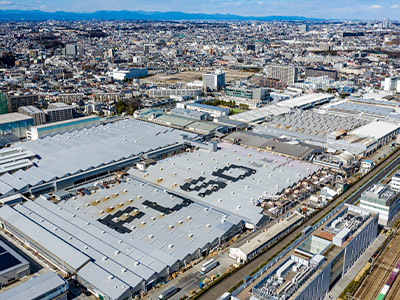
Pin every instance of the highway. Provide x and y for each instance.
(350, 196)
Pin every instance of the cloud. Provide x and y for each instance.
(6, 3)
(395, 6)
(375, 6)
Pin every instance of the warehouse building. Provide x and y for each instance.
(45, 286)
(312, 269)
(12, 266)
(261, 114)
(123, 240)
(383, 132)
(309, 126)
(59, 163)
(233, 179)
(307, 101)
(266, 238)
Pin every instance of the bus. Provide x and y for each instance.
(208, 266)
(168, 293)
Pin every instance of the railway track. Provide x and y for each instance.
(374, 283)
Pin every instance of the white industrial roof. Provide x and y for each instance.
(273, 173)
(81, 150)
(34, 287)
(305, 100)
(376, 129)
(166, 230)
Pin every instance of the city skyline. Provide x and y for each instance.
(339, 9)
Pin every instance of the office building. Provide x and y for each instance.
(379, 198)
(59, 112)
(312, 269)
(214, 81)
(3, 104)
(303, 28)
(286, 74)
(319, 72)
(47, 286)
(12, 266)
(39, 117)
(395, 183)
(16, 101)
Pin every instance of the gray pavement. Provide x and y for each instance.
(356, 268)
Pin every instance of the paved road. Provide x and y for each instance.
(352, 195)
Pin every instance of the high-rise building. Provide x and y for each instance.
(214, 81)
(59, 112)
(39, 117)
(386, 23)
(16, 101)
(286, 74)
(389, 84)
(303, 28)
(3, 104)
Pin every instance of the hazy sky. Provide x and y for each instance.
(338, 9)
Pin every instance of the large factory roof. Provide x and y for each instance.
(313, 123)
(233, 179)
(306, 100)
(71, 153)
(260, 113)
(376, 129)
(130, 232)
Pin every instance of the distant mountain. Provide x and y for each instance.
(37, 15)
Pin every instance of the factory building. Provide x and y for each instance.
(252, 175)
(307, 101)
(117, 74)
(59, 163)
(12, 266)
(46, 286)
(264, 239)
(123, 240)
(312, 269)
